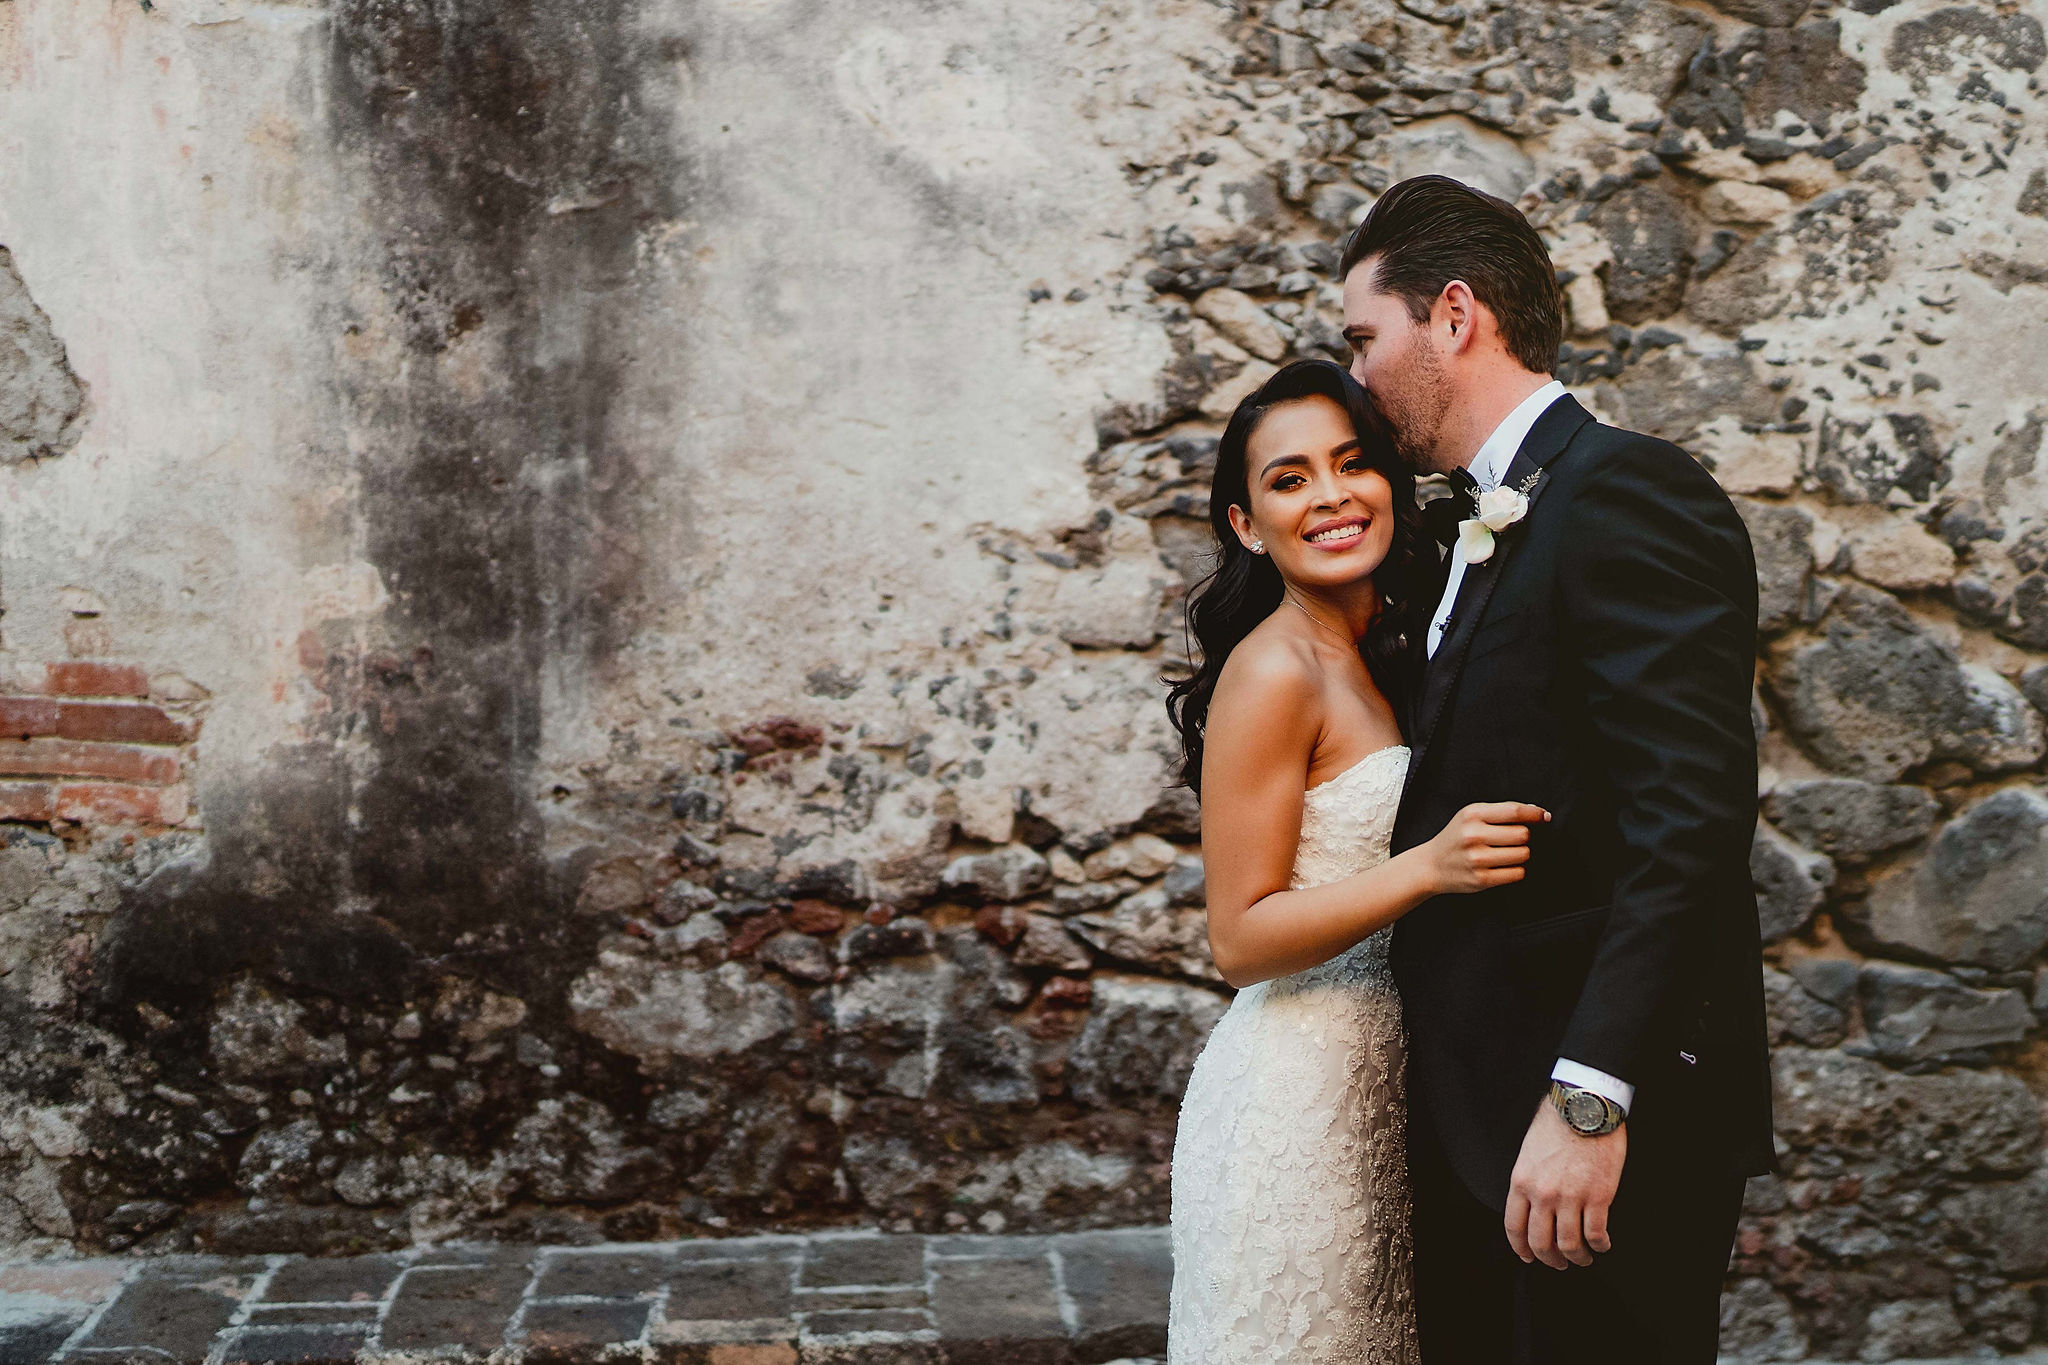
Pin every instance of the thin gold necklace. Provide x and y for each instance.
(1348, 641)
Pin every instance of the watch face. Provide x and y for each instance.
(1583, 1111)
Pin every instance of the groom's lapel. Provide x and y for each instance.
(1546, 440)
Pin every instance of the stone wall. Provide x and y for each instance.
(585, 588)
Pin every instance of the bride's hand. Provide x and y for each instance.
(1485, 845)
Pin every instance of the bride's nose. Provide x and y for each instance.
(1329, 490)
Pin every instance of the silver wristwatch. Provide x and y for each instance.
(1585, 1112)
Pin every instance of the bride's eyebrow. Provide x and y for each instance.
(1281, 461)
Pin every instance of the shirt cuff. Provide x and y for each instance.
(1599, 1082)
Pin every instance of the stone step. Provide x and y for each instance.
(1084, 1298)
(823, 1299)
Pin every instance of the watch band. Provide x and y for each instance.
(1586, 1112)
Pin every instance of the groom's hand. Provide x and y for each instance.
(1559, 1194)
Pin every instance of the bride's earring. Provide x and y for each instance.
(1258, 547)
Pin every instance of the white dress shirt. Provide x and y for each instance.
(1488, 467)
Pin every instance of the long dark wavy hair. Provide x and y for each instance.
(1245, 588)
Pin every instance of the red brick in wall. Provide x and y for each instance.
(93, 762)
(86, 678)
(120, 721)
(67, 758)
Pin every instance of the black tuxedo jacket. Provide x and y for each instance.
(1599, 664)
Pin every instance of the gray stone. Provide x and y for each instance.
(1770, 14)
(1464, 151)
(279, 1159)
(1008, 1307)
(887, 1021)
(1803, 69)
(1143, 856)
(1921, 48)
(1141, 1039)
(165, 1317)
(987, 978)
(1865, 461)
(41, 400)
(1790, 883)
(1833, 1107)
(2033, 200)
(903, 936)
(750, 1155)
(1042, 1173)
(454, 1306)
(1046, 943)
(1651, 234)
(1757, 1323)
(1832, 979)
(1782, 537)
(1338, 206)
(2025, 617)
(1750, 286)
(1185, 883)
(1674, 393)
(1912, 1329)
(1009, 873)
(1848, 819)
(656, 1012)
(988, 1064)
(1145, 931)
(1991, 726)
(1980, 896)
(260, 1036)
(574, 1149)
(1916, 1015)
(2034, 687)
(2004, 1317)
(798, 955)
(1876, 695)
(28, 859)
(1794, 1014)
(2009, 1222)
(1117, 1280)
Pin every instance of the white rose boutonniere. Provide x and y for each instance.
(1499, 508)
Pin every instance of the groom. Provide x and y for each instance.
(1587, 1052)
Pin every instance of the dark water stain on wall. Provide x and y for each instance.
(507, 158)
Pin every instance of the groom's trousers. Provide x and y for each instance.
(1653, 1300)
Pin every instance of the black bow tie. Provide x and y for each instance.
(1442, 516)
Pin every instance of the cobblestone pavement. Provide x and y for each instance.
(829, 1299)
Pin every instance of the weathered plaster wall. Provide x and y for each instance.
(584, 588)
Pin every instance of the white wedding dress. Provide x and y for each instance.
(1291, 1238)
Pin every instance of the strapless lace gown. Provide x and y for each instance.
(1291, 1236)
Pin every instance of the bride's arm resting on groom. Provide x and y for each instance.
(1264, 728)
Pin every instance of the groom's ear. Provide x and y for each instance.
(1456, 315)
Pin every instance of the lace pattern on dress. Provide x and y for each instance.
(1291, 1204)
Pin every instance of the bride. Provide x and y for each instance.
(1290, 1186)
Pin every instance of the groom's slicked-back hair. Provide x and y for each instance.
(1425, 232)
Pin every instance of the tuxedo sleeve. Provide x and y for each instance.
(1658, 622)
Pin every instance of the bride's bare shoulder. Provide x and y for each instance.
(1270, 668)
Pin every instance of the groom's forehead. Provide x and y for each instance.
(1364, 300)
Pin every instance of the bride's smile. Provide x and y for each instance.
(1342, 534)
